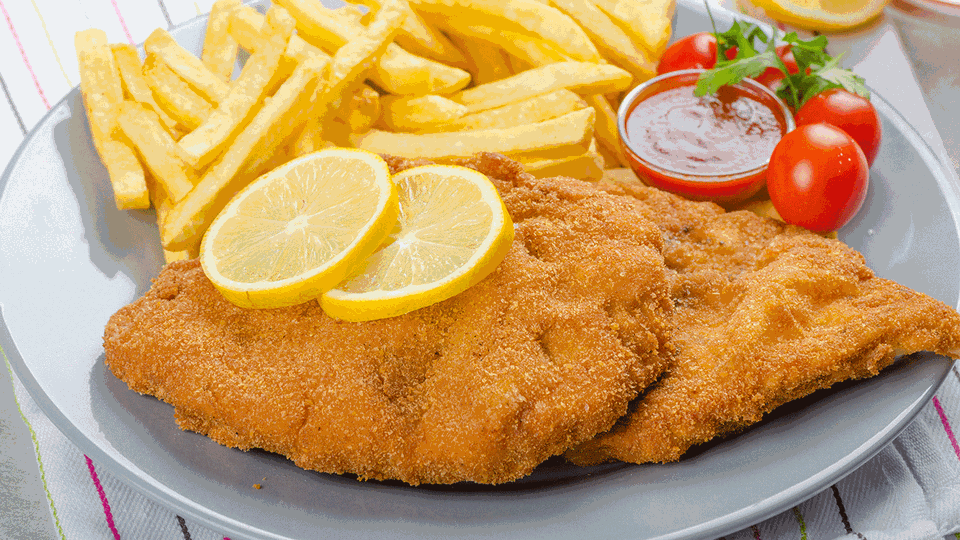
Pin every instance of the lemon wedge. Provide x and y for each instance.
(452, 232)
(821, 15)
(298, 230)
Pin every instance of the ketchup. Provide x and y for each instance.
(712, 147)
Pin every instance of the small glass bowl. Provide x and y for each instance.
(725, 188)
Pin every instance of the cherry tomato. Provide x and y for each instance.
(817, 177)
(849, 112)
(696, 51)
(772, 76)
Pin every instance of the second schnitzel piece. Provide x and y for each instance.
(765, 313)
(544, 353)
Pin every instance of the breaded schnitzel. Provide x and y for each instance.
(543, 354)
(602, 291)
(764, 314)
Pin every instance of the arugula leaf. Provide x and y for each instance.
(806, 87)
(808, 54)
(818, 71)
(844, 78)
(734, 71)
(741, 37)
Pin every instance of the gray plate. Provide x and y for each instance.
(69, 259)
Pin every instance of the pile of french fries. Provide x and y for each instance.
(537, 80)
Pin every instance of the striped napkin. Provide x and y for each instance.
(909, 491)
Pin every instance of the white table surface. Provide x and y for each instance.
(875, 52)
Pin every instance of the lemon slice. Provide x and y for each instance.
(298, 230)
(821, 15)
(452, 232)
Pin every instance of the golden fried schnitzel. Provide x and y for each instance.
(605, 291)
(543, 354)
(764, 314)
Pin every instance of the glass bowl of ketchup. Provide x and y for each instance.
(714, 147)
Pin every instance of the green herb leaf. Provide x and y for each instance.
(844, 78)
(811, 56)
(807, 86)
(742, 37)
(734, 71)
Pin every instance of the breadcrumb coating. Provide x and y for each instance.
(543, 354)
(616, 301)
(765, 313)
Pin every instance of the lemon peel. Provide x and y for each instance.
(453, 231)
(821, 15)
(299, 230)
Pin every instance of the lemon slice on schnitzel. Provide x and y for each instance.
(453, 231)
(821, 15)
(298, 230)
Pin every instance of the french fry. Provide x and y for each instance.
(352, 61)
(158, 151)
(102, 92)
(174, 95)
(271, 154)
(186, 65)
(422, 39)
(125, 172)
(609, 160)
(516, 65)
(189, 219)
(298, 51)
(364, 110)
(245, 25)
(531, 50)
(309, 139)
(136, 87)
(529, 111)
(621, 175)
(533, 53)
(358, 16)
(587, 166)
(520, 16)
(487, 62)
(219, 47)
(762, 208)
(104, 81)
(612, 42)
(304, 90)
(162, 205)
(257, 78)
(397, 71)
(558, 137)
(646, 21)
(580, 77)
(605, 129)
(413, 113)
(320, 25)
(400, 72)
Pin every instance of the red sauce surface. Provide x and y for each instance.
(722, 134)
